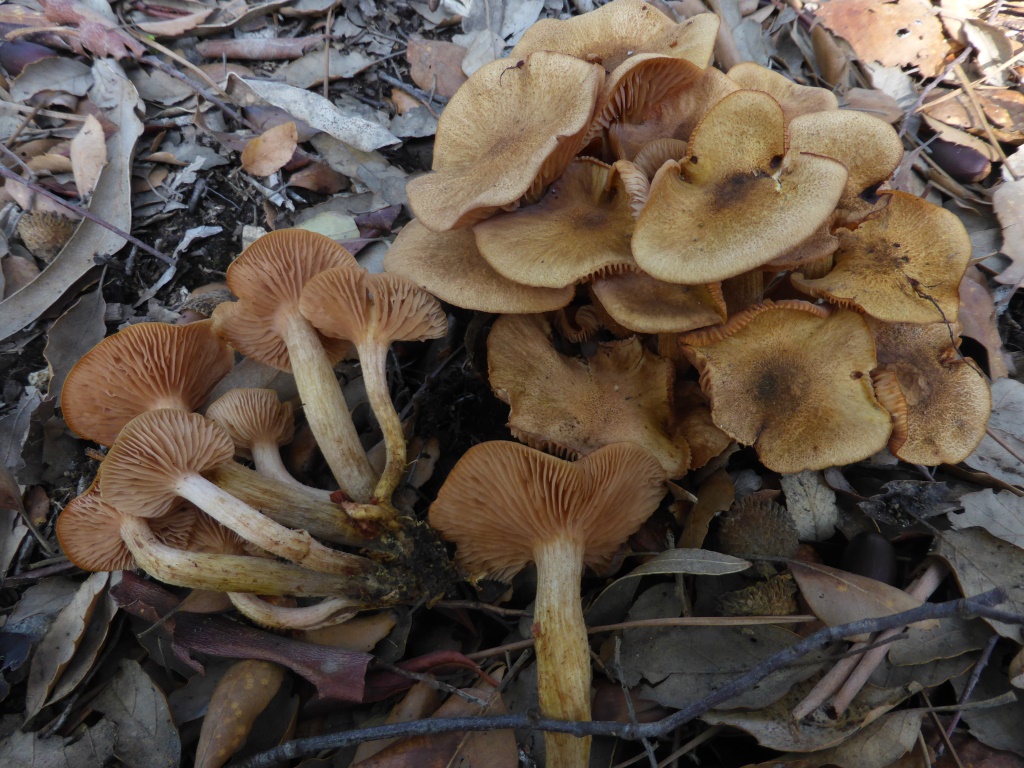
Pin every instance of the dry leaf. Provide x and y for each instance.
(978, 320)
(716, 495)
(1006, 423)
(874, 102)
(1001, 514)
(700, 562)
(258, 49)
(30, 750)
(419, 702)
(268, 153)
(241, 695)
(176, 26)
(436, 66)
(73, 334)
(882, 742)
(812, 505)
(1008, 202)
(311, 69)
(88, 648)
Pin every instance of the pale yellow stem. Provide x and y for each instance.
(267, 458)
(373, 359)
(327, 613)
(743, 291)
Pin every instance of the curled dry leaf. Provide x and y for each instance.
(267, 153)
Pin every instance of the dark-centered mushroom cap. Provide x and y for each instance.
(253, 416)
(509, 130)
(503, 499)
(352, 304)
(902, 266)
(152, 452)
(448, 265)
(142, 367)
(573, 407)
(268, 278)
(939, 400)
(793, 380)
(579, 229)
(737, 200)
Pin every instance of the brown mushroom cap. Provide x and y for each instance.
(89, 532)
(644, 305)
(141, 368)
(448, 265)
(939, 400)
(580, 228)
(620, 29)
(501, 137)
(268, 278)
(502, 499)
(795, 99)
(352, 304)
(155, 449)
(738, 200)
(902, 266)
(573, 407)
(792, 380)
(253, 415)
(693, 421)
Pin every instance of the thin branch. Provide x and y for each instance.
(978, 606)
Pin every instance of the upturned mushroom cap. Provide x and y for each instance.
(503, 499)
(152, 452)
(902, 266)
(792, 379)
(141, 368)
(268, 278)
(795, 99)
(210, 536)
(352, 304)
(620, 29)
(573, 407)
(579, 229)
(939, 400)
(738, 200)
(644, 305)
(251, 416)
(89, 532)
(448, 265)
(501, 137)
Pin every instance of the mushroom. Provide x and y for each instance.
(939, 399)
(140, 368)
(792, 379)
(258, 424)
(160, 456)
(509, 131)
(642, 304)
(737, 200)
(265, 324)
(372, 311)
(795, 99)
(505, 504)
(573, 407)
(449, 265)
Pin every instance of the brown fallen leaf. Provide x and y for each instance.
(978, 319)
(240, 696)
(436, 66)
(1008, 203)
(268, 152)
(418, 703)
(146, 736)
(176, 26)
(97, 31)
(317, 177)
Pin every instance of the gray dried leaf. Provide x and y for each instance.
(1007, 423)
(73, 334)
(811, 504)
(1001, 514)
(29, 750)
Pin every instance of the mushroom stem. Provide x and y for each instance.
(562, 647)
(743, 290)
(326, 411)
(251, 525)
(333, 610)
(373, 359)
(297, 508)
(267, 458)
(817, 268)
(225, 572)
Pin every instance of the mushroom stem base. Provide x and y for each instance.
(563, 650)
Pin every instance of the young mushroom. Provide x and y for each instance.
(562, 516)
(265, 324)
(372, 311)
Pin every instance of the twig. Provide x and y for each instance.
(412, 90)
(1006, 447)
(228, 110)
(620, 673)
(932, 85)
(439, 685)
(973, 98)
(478, 606)
(977, 606)
(942, 733)
(972, 682)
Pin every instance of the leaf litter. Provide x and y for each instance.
(354, 91)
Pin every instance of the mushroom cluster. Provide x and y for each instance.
(169, 495)
(737, 222)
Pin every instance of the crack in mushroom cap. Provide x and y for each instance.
(268, 278)
(448, 265)
(738, 200)
(355, 305)
(902, 266)
(89, 532)
(503, 499)
(142, 367)
(507, 133)
(152, 452)
(579, 229)
(792, 380)
(939, 400)
(795, 99)
(621, 394)
(620, 29)
(251, 415)
(644, 305)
